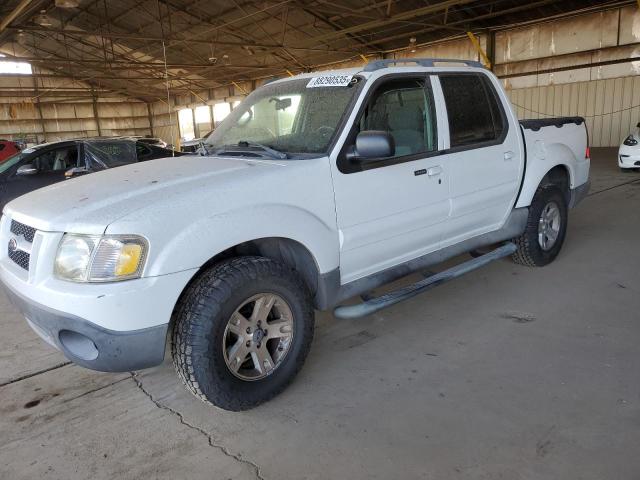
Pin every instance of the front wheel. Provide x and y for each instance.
(546, 228)
(242, 332)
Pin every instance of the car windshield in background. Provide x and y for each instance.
(293, 117)
(10, 162)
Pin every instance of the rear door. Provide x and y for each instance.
(484, 155)
(392, 210)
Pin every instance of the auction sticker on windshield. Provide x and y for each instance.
(330, 81)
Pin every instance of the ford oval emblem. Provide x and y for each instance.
(13, 245)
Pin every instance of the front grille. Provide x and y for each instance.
(20, 229)
(20, 257)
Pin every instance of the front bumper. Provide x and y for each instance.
(118, 326)
(628, 161)
(90, 345)
(629, 156)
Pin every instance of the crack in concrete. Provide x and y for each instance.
(67, 400)
(590, 194)
(200, 430)
(34, 374)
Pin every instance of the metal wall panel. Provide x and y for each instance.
(611, 107)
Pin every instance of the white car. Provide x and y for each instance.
(629, 152)
(315, 189)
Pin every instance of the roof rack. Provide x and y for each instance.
(423, 62)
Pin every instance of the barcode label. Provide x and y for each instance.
(330, 81)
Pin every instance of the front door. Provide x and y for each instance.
(50, 167)
(390, 211)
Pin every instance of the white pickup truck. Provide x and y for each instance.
(316, 189)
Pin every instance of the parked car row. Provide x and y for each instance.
(36, 167)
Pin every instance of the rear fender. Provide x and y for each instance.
(540, 161)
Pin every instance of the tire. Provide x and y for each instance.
(209, 329)
(532, 250)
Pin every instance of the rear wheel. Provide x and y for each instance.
(546, 228)
(242, 332)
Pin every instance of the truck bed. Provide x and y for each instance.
(554, 141)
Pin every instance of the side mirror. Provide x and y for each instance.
(281, 104)
(372, 145)
(75, 171)
(27, 169)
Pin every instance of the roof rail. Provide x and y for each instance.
(423, 62)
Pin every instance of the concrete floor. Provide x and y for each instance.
(509, 372)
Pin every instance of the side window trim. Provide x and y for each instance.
(441, 113)
(489, 88)
(346, 167)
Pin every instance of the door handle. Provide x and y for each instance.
(508, 155)
(433, 171)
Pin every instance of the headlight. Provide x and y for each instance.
(108, 258)
(630, 141)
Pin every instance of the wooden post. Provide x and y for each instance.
(491, 48)
(150, 115)
(95, 110)
(39, 108)
(195, 125)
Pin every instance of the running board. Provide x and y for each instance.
(374, 304)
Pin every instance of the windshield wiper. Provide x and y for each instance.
(241, 147)
(203, 149)
(271, 151)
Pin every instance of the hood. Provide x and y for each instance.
(88, 204)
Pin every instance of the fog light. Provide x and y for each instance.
(78, 345)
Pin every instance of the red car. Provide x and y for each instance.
(8, 149)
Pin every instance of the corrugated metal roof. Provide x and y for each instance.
(121, 44)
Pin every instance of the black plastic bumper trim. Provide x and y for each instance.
(117, 351)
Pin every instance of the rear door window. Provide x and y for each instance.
(142, 151)
(103, 154)
(475, 115)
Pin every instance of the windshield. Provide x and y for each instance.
(10, 162)
(292, 117)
